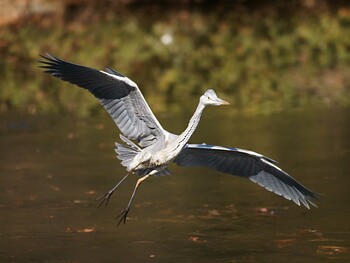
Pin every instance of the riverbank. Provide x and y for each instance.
(261, 59)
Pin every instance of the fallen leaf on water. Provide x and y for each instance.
(81, 230)
(86, 230)
(196, 239)
(91, 192)
(314, 232)
(331, 250)
(265, 211)
(213, 213)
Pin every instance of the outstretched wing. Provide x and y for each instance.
(119, 95)
(254, 166)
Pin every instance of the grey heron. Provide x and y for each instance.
(148, 148)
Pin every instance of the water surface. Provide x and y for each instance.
(53, 168)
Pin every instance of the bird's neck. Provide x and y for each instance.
(192, 125)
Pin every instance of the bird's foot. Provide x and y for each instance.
(105, 198)
(123, 214)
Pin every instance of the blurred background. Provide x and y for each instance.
(283, 65)
(264, 56)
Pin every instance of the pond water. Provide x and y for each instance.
(52, 169)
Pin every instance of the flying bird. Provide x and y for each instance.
(148, 148)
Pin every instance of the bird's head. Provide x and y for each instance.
(210, 98)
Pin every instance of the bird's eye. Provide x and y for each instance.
(209, 98)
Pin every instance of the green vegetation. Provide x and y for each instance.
(259, 61)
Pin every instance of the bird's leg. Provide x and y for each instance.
(123, 214)
(105, 198)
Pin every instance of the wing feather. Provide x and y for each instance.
(254, 166)
(120, 96)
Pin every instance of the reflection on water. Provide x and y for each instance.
(53, 169)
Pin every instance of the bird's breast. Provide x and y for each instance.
(158, 160)
(164, 156)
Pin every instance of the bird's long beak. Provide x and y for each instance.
(222, 102)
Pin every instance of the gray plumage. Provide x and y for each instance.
(256, 167)
(148, 148)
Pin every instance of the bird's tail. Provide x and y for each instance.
(126, 153)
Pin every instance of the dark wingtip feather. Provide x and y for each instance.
(47, 56)
(310, 197)
(50, 71)
(49, 61)
(97, 82)
(45, 66)
(315, 195)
